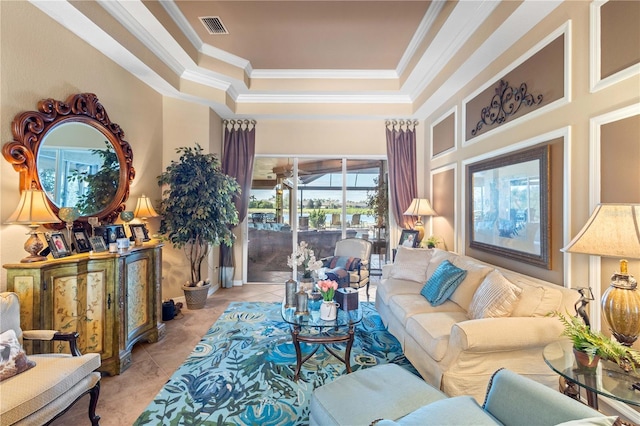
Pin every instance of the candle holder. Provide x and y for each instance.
(290, 287)
(302, 300)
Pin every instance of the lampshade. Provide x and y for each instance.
(33, 210)
(420, 207)
(613, 231)
(144, 208)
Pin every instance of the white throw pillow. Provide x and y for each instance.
(411, 264)
(496, 297)
(591, 421)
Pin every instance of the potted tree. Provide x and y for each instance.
(198, 212)
(378, 201)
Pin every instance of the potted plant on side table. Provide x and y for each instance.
(594, 345)
(198, 212)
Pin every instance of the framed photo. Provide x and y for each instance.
(80, 240)
(58, 245)
(110, 233)
(508, 206)
(139, 230)
(409, 238)
(97, 244)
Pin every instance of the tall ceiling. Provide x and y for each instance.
(304, 59)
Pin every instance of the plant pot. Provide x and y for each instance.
(226, 276)
(328, 311)
(305, 284)
(196, 297)
(582, 358)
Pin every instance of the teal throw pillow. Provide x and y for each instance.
(444, 281)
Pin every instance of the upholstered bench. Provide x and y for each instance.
(385, 391)
(389, 395)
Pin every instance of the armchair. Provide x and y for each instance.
(355, 248)
(46, 391)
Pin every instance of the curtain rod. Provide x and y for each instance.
(400, 122)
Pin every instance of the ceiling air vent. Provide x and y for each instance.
(213, 24)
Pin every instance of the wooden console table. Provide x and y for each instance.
(112, 300)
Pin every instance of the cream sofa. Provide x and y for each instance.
(455, 353)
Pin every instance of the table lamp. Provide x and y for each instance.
(420, 207)
(144, 209)
(613, 230)
(33, 210)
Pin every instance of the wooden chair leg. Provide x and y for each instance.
(93, 403)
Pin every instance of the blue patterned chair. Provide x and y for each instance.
(349, 265)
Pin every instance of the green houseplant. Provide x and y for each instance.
(378, 201)
(432, 241)
(198, 206)
(595, 344)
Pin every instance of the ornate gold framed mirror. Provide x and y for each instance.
(72, 151)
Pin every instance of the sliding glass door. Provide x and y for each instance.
(317, 200)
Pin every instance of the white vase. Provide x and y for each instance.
(328, 310)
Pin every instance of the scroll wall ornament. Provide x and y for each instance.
(506, 102)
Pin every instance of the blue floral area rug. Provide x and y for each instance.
(241, 372)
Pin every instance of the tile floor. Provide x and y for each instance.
(124, 397)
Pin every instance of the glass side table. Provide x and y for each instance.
(606, 379)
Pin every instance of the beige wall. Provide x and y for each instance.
(40, 59)
(572, 116)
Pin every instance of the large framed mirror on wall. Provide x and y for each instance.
(508, 206)
(72, 151)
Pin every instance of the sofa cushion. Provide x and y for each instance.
(411, 264)
(437, 257)
(496, 297)
(432, 330)
(443, 283)
(392, 287)
(13, 359)
(536, 300)
(456, 411)
(404, 306)
(476, 272)
(54, 374)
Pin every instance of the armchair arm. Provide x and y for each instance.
(71, 337)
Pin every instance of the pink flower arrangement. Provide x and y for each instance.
(327, 288)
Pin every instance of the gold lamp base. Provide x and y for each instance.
(621, 307)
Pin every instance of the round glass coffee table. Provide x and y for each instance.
(311, 329)
(606, 379)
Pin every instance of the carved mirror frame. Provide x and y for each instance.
(29, 129)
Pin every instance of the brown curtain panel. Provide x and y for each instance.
(403, 183)
(237, 161)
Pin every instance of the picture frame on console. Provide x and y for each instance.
(97, 244)
(80, 240)
(58, 245)
(139, 230)
(508, 206)
(409, 238)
